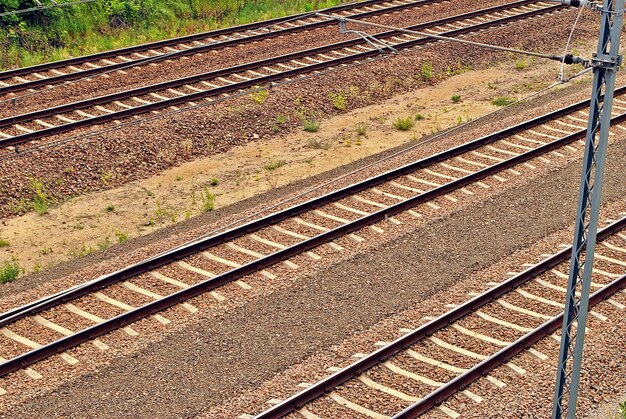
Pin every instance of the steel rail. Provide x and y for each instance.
(265, 80)
(195, 247)
(171, 300)
(357, 368)
(194, 50)
(504, 355)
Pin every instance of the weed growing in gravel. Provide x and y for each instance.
(105, 177)
(109, 208)
(502, 101)
(491, 85)
(339, 101)
(427, 71)
(37, 267)
(281, 119)
(520, 64)
(121, 236)
(45, 251)
(403, 124)
(622, 410)
(315, 144)
(10, 271)
(103, 245)
(459, 120)
(260, 95)
(419, 117)
(41, 204)
(207, 201)
(4, 243)
(311, 125)
(214, 181)
(361, 129)
(456, 98)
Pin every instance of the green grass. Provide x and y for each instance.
(361, 129)
(426, 71)
(109, 208)
(121, 236)
(41, 203)
(311, 125)
(4, 243)
(456, 98)
(9, 271)
(214, 181)
(403, 124)
(61, 33)
(339, 101)
(419, 117)
(273, 165)
(502, 101)
(207, 199)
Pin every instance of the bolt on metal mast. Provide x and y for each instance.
(605, 64)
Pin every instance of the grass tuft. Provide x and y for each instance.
(403, 124)
(9, 271)
(502, 101)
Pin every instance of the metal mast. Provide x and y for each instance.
(605, 64)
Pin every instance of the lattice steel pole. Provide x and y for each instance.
(605, 63)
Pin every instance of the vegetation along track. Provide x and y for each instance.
(463, 345)
(90, 65)
(213, 85)
(292, 235)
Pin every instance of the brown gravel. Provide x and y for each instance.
(351, 290)
(76, 168)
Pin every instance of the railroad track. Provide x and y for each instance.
(214, 85)
(75, 68)
(265, 248)
(422, 369)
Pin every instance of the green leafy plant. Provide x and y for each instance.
(339, 101)
(9, 271)
(426, 71)
(214, 181)
(520, 65)
(456, 98)
(311, 125)
(121, 236)
(273, 165)
(361, 129)
(41, 203)
(419, 117)
(260, 96)
(207, 201)
(109, 208)
(4, 243)
(403, 124)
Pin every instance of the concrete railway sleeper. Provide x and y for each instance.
(66, 70)
(397, 196)
(428, 365)
(21, 129)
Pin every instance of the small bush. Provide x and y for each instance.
(4, 243)
(456, 98)
(403, 124)
(419, 117)
(520, 64)
(9, 271)
(427, 71)
(109, 208)
(207, 201)
(339, 101)
(311, 125)
(214, 181)
(361, 129)
(502, 101)
(273, 165)
(121, 236)
(260, 95)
